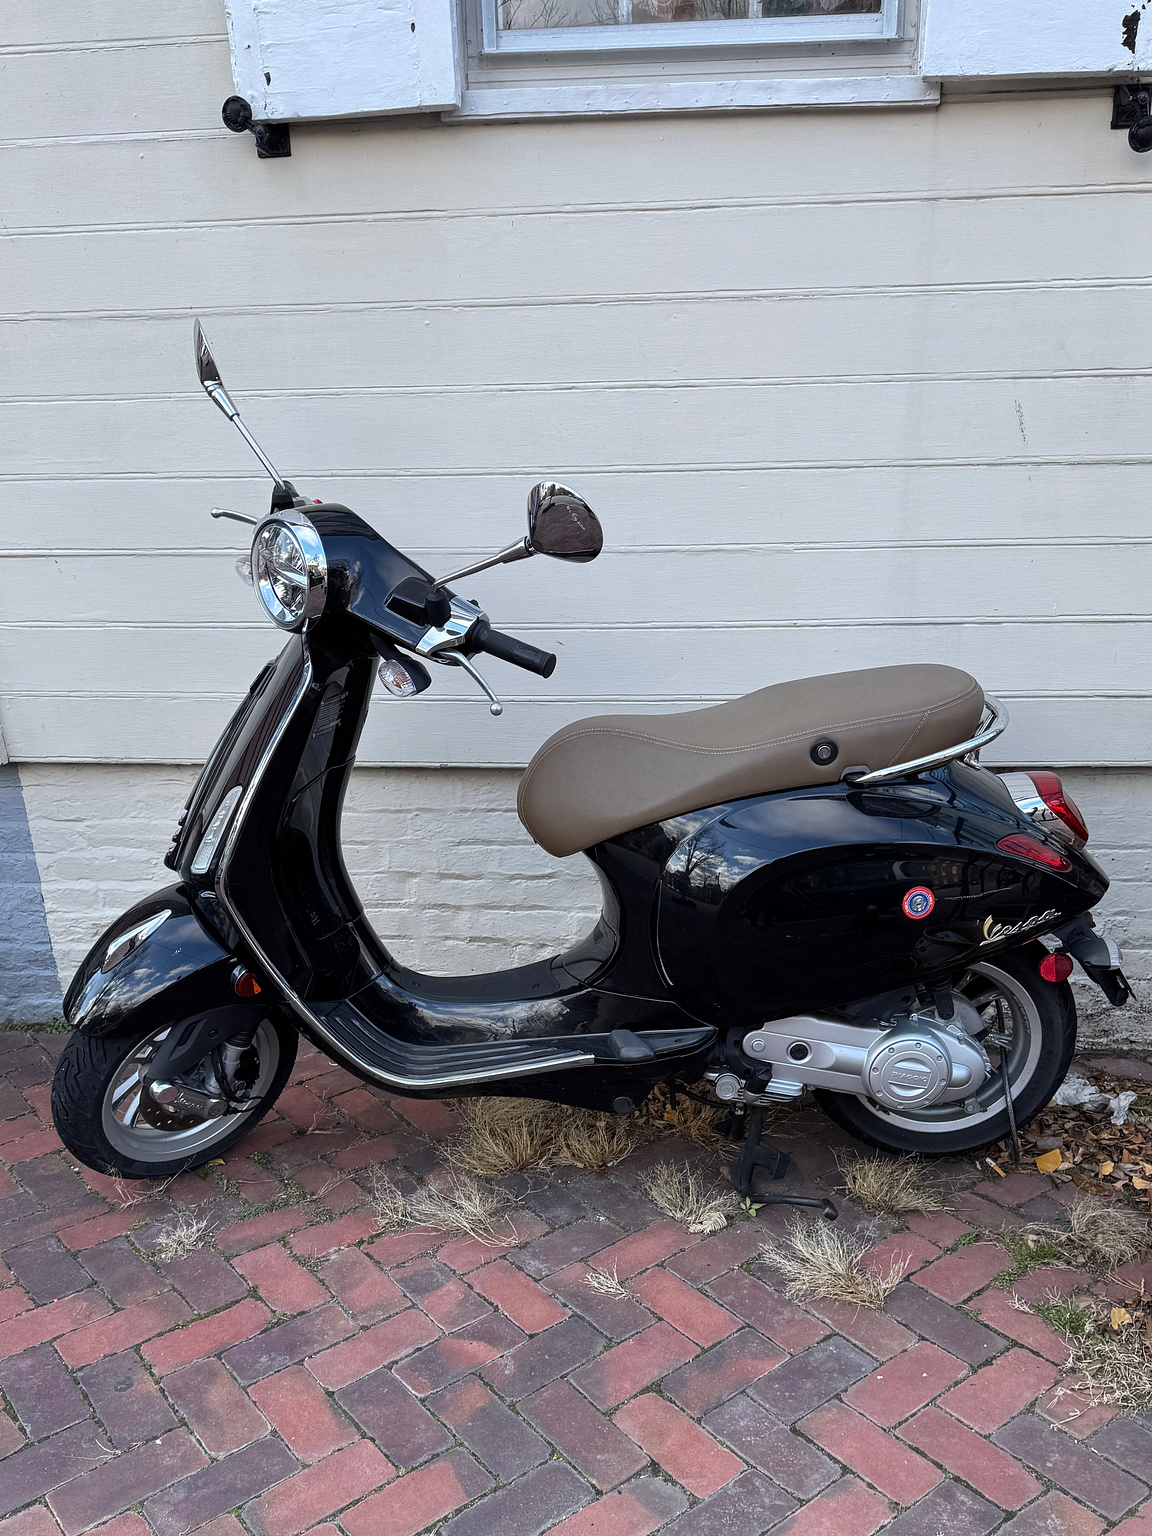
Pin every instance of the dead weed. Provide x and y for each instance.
(453, 1202)
(1109, 1347)
(180, 1238)
(1098, 1236)
(606, 1282)
(501, 1136)
(819, 1261)
(680, 1192)
(889, 1186)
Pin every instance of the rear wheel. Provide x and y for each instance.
(1035, 1021)
(105, 1118)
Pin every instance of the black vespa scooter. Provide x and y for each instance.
(811, 887)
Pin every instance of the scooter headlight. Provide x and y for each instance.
(289, 570)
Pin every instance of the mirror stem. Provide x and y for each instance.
(219, 396)
(258, 451)
(521, 550)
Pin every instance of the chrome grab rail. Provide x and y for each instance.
(992, 723)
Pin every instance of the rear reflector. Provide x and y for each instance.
(1022, 846)
(1056, 967)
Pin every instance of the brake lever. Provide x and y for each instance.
(236, 517)
(460, 660)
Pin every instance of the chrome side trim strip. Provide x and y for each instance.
(993, 723)
(456, 1079)
(388, 1080)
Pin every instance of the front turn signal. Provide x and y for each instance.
(244, 983)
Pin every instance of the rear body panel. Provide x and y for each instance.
(796, 902)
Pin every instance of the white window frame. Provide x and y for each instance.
(761, 32)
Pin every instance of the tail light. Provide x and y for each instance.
(1021, 846)
(1044, 800)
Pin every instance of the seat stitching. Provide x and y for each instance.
(751, 746)
(905, 745)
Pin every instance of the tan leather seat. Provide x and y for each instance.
(597, 778)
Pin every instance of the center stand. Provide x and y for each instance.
(755, 1155)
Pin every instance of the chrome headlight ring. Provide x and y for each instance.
(289, 570)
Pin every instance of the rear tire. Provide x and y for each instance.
(1042, 1018)
(94, 1084)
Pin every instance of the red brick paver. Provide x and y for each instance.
(898, 1473)
(904, 1383)
(303, 1371)
(680, 1446)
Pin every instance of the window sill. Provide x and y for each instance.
(611, 98)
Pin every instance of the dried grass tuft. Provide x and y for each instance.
(461, 1203)
(502, 1136)
(1109, 1348)
(1097, 1236)
(889, 1186)
(180, 1238)
(142, 1191)
(679, 1191)
(821, 1261)
(388, 1203)
(596, 1141)
(698, 1123)
(607, 1283)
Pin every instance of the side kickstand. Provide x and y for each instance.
(755, 1155)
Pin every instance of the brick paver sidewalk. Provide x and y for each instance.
(301, 1372)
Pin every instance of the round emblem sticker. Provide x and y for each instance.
(918, 902)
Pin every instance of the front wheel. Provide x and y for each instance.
(1036, 1020)
(104, 1118)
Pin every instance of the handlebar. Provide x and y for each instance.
(508, 648)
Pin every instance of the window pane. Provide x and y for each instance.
(522, 15)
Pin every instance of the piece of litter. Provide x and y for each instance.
(1120, 1106)
(1077, 1092)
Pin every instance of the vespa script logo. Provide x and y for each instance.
(995, 933)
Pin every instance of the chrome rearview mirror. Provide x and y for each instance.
(562, 525)
(209, 375)
(213, 386)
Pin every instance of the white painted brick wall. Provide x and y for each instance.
(449, 877)
(451, 880)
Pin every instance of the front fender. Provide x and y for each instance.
(178, 970)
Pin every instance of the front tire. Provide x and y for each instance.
(1039, 1017)
(96, 1104)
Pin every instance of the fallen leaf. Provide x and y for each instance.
(1118, 1315)
(1048, 1162)
(1141, 1184)
(1106, 1169)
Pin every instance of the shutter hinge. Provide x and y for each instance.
(1132, 109)
(273, 141)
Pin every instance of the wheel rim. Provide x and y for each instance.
(130, 1135)
(983, 986)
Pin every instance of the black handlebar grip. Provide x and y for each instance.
(508, 648)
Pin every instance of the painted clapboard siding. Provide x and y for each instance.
(845, 389)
